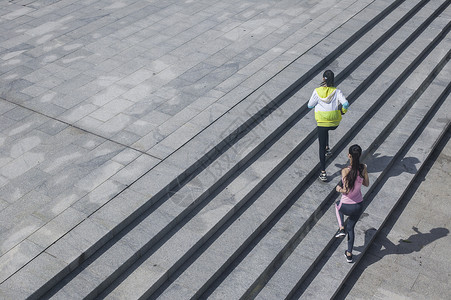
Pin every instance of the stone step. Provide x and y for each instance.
(145, 269)
(268, 250)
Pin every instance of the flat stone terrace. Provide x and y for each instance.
(94, 94)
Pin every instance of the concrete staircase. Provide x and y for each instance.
(238, 212)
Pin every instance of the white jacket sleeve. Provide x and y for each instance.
(313, 100)
(341, 98)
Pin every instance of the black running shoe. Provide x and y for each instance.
(328, 153)
(323, 176)
(340, 233)
(348, 257)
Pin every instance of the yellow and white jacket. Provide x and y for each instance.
(325, 100)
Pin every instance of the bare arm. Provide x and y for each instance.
(344, 189)
(366, 179)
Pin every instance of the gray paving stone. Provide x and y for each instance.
(125, 137)
(18, 113)
(6, 122)
(96, 198)
(57, 227)
(175, 140)
(84, 283)
(77, 113)
(26, 143)
(88, 122)
(23, 207)
(77, 242)
(25, 126)
(6, 106)
(52, 127)
(150, 227)
(19, 231)
(133, 287)
(59, 203)
(73, 291)
(139, 129)
(149, 140)
(157, 179)
(59, 158)
(17, 257)
(25, 182)
(135, 169)
(209, 115)
(30, 277)
(114, 125)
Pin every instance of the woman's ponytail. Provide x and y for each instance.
(355, 151)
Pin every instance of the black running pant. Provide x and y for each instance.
(353, 211)
(323, 138)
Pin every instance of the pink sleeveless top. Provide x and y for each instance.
(355, 195)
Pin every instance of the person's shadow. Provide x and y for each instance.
(377, 163)
(413, 243)
(384, 246)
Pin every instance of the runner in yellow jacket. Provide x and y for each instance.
(330, 104)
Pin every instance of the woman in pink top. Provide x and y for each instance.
(350, 203)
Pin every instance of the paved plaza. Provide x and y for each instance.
(100, 100)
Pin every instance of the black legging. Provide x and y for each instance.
(323, 138)
(353, 211)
